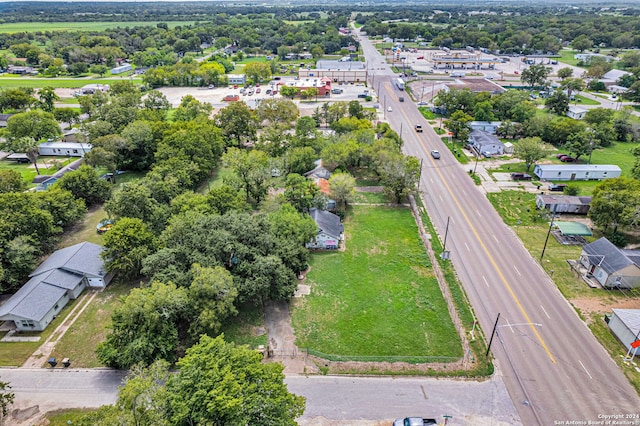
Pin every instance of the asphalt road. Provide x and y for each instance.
(338, 400)
(554, 368)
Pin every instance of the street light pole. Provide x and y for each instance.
(476, 166)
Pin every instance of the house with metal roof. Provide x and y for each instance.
(65, 149)
(484, 143)
(576, 171)
(4, 118)
(63, 276)
(336, 71)
(611, 266)
(563, 203)
(625, 325)
(330, 230)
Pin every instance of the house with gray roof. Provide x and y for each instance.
(63, 276)
(330, 230)
(611, 266)
(625, 325)
(484, 143)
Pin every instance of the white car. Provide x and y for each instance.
(389, 109)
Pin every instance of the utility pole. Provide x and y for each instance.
(553, 215)
(493, 333)
(446, 232)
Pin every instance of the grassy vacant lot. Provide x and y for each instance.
(63, 83)
(581, 100)
(377, 298)
(66, 417)
(591, 304)
(47, 165)
(247, 328)
(30, 27)
(80, 341)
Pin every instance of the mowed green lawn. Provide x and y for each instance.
(377, 298)
(12, 82)
(30, 27)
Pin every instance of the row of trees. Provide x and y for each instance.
(160, 46)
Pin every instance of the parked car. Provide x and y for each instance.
(559, 187)
(336, 91)
(520, 176)
(231, 98)
(258, 90)
(567, 159)
(559, 156)
(435, 154)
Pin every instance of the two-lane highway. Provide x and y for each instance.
(554, 368)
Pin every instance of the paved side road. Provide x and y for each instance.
(331, 400)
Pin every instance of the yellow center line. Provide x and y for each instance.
(493, 262)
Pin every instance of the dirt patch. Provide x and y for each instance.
(600, 306)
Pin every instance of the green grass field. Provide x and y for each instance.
(80, 341)
(66, 417)
(379, 297)
(46, 165)
(66, 83)
(581, 100)
(31, 27)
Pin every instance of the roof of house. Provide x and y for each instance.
(578, 167)
(338, 65)
(328, 222)
(576, 109)
(83, 258)
(615, 74)
(630, 318)
(318, 173)
(66, 145)
(5, 117)
(481, 138)
(40, 294)
(564, 199)
(609, 257)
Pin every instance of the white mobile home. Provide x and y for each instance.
(121, 68)
(625, 324)
(576, 171)
(64, 149)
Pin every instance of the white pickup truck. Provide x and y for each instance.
(414, 421)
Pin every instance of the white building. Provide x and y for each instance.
(576, 171)
(625, 325)
(64, 149)
(352, 71)
(576, 112)
(121, 68)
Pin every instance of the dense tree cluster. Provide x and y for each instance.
(218, 383)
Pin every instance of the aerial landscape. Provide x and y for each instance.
(319, 213)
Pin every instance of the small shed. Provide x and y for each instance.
(576, 171)
(625, 325)
(508, 148)
(564, 203)
(485, 143)
(576, 112)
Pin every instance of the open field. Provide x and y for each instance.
(380, 289)
(66, 83)
(47, 165)
(31, 27)
(66, 417)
